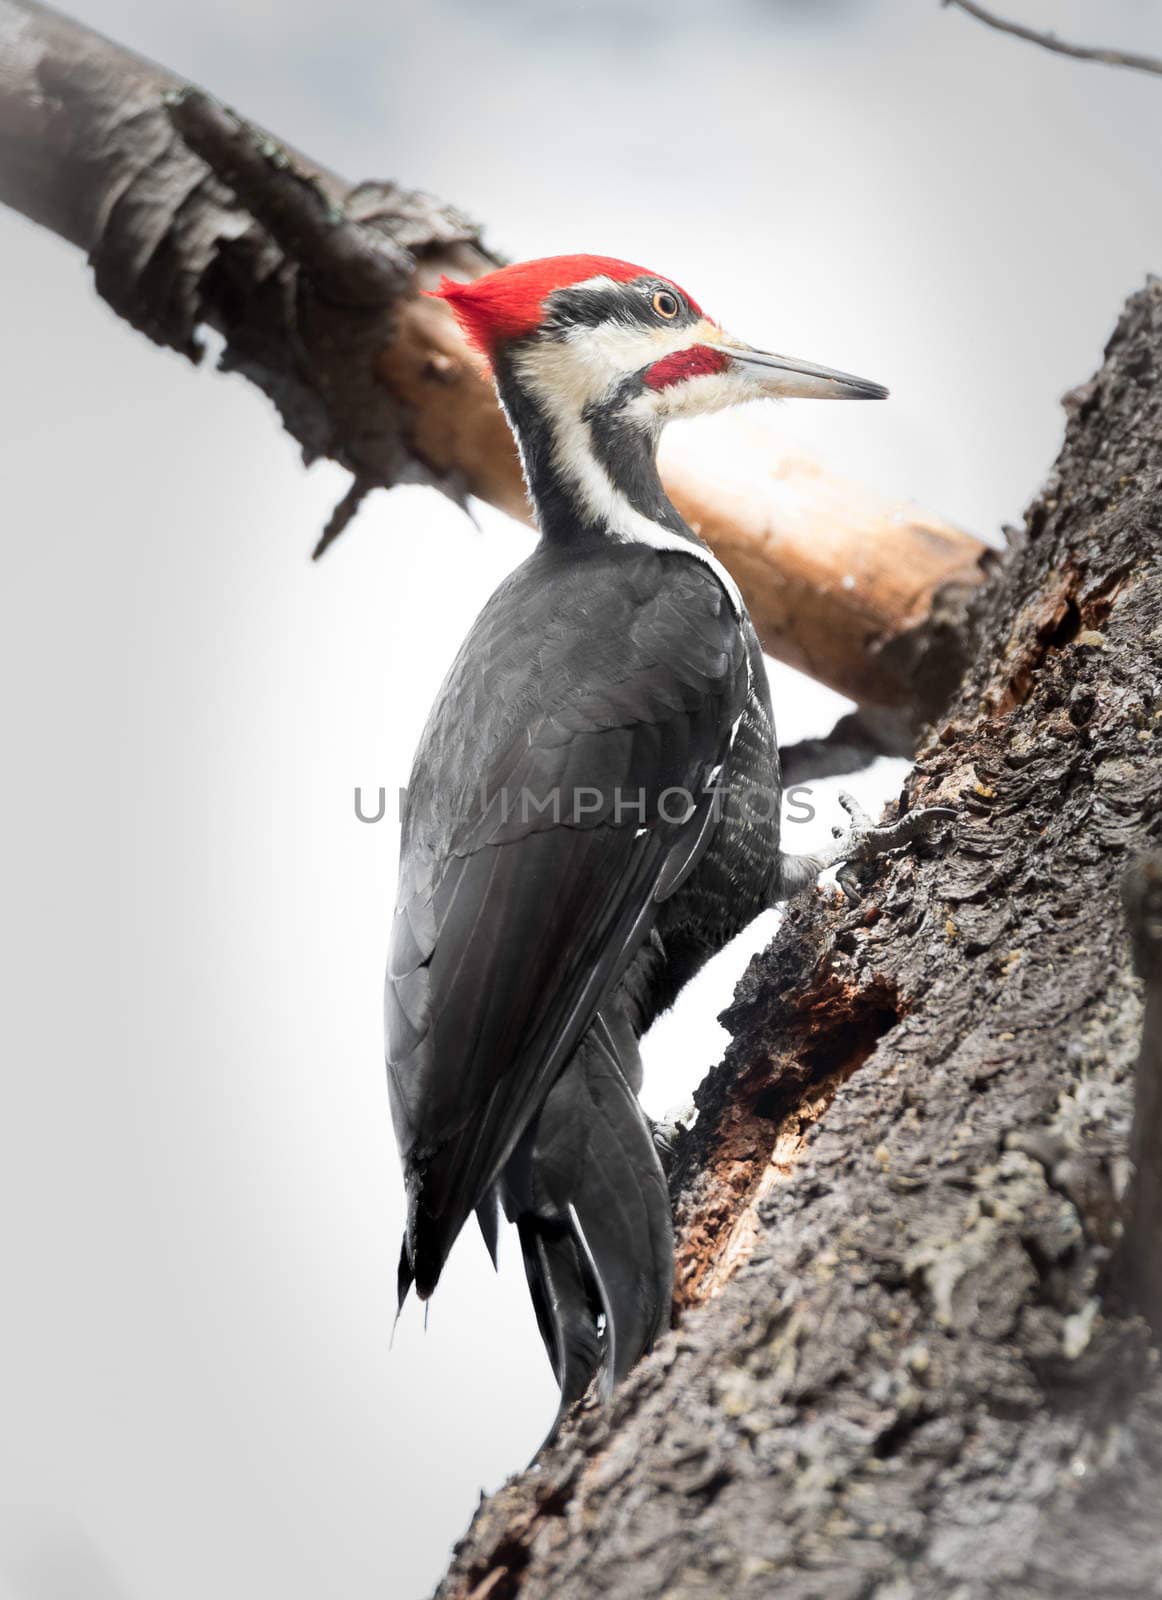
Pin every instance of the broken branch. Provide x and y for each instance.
(345, 261)
(191, 217)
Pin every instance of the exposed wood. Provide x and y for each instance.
(796, 538)
(189, 217)
(902, 1367)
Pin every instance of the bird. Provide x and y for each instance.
(592, 813)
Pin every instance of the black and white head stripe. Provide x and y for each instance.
(587, 416)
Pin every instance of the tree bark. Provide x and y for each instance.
(908, 1360)
(1140, 1255)
(190, 216)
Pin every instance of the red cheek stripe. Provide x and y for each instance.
(697, 362)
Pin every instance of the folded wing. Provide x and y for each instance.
(560, 794)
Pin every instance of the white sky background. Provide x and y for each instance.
(200, 1203)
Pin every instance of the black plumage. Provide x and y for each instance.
(596, 690)
(593, 812)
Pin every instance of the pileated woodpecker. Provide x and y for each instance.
(593, 811)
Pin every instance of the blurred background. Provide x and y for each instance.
(200, 1204)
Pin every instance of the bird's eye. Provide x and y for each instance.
(666, 304)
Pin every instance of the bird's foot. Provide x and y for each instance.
(669, 1130)
(863, 842)
(866, 840)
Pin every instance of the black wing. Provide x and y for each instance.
(538, 840)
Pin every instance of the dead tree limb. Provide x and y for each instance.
(1050, 41)
(854, 743)
(897, 1371)
(346, 263)
(189, 216)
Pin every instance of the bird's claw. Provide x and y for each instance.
(666, 1136)
(866, 840)
(669, 1130)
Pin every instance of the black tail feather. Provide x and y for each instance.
(403, 1279)
(428, 1238)
(587, 1191)
(566, 1305)
(488, 1216)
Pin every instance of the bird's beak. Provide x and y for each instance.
(785, 377)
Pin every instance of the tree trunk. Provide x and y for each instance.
(907, 1361)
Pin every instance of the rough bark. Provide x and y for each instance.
(1140, 1257)
(191, 217)
(904, 1364)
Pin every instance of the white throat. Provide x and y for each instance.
(556, 382)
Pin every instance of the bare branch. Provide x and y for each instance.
(1050, 41)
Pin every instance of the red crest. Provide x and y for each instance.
(507, 303)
